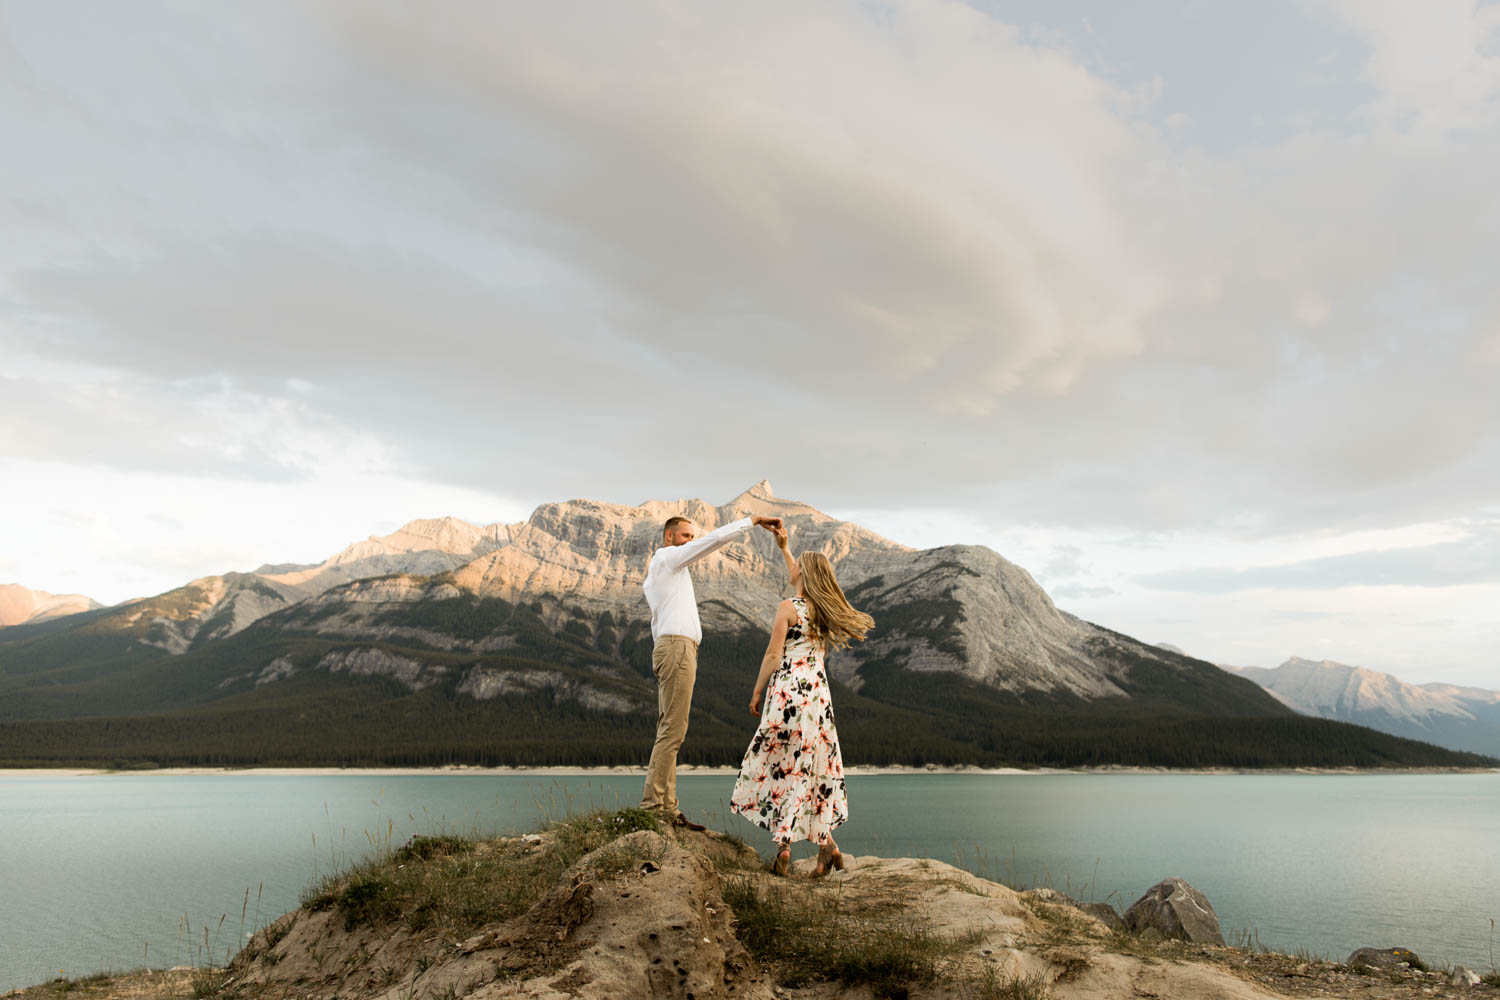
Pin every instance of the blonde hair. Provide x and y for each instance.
(828, 611)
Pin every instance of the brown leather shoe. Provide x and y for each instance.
(686, 823)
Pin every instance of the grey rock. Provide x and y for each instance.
(278, 669)
(372, 662)
(1105, 913)
(1463, 976)
(1174, 909)
(1383, 958)
(483, 683)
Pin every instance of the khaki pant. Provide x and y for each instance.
(674, 661)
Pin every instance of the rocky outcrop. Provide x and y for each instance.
(371, 662)
(1462, 975)
(642, 917)
(1174, 909)
(686, 915)
(483, 683)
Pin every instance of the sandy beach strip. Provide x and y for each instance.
(466, 770)
(689, 770)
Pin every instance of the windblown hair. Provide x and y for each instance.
(828, 611)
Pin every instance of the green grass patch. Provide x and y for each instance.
(458, 885)
(209, 981)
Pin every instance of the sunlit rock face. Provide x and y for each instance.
(20, 605)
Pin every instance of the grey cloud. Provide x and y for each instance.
(631, 256)
(1473, 560)
(185, 428)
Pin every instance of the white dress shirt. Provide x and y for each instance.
(669, 587)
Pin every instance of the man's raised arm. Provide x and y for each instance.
(676, 557)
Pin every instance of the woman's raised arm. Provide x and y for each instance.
(786, 554)
(785, 615)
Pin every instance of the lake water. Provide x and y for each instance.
(119, 871)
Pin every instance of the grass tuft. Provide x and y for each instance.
(994, 986)
(806, 937)
(208, 981)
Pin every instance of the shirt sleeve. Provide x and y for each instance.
(675, 557)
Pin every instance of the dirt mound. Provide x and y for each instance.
(642, 916)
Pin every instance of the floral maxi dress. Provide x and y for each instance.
(792, 778)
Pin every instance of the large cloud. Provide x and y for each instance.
(907, 252)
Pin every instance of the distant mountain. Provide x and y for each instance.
(530, 642)
(1461, 718)
(19, 604)
(215, 607)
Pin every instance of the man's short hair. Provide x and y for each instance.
(673, 522)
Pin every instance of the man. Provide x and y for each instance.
(676, 632)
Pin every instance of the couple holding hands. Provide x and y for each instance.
(791, 781)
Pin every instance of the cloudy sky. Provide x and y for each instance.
(1188, 307)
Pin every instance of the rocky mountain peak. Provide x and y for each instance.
(594, 554)
(760, 492)
(1333, 689)
(445, 534)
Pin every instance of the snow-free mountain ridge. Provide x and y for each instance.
(447, 641)
(1463, 718)
(19, 605)
(960, 609)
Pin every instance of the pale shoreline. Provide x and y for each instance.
(689, 770)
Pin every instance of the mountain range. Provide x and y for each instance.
(447, 641)
(1461, 718)
(19, 604)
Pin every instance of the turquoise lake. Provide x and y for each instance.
(113, 872)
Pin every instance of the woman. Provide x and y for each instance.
(792, 778)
